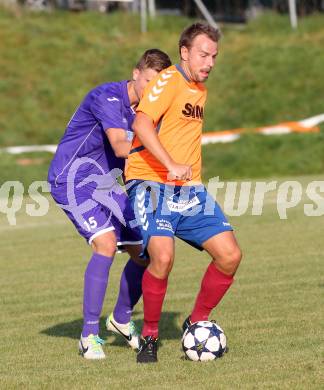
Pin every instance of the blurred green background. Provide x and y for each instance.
(266, 73)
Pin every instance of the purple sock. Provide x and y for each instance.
(130, 291)
(95, 284)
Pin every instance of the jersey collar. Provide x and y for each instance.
(180, 69)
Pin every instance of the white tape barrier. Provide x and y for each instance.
(308, 125)
(31, 148)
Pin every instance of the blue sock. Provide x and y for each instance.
(130, 291)
(95, 285)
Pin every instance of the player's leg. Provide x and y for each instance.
(155, 280)
(96, 280)
(130, 239)
(93, 225)
(157, 232)
(226, 256)
(95, 285)
(130, 291)
(209, 229)
(154, 285)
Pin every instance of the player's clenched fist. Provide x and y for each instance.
(179, 172)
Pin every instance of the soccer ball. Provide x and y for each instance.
(204, 340)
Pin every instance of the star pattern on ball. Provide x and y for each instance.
(204, 340)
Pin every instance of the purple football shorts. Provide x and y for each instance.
(94, 211)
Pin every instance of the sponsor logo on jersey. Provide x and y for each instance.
(193, 111)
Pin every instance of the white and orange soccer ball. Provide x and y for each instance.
(204, 340)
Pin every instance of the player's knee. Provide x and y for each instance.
(233, 259)
(163, 263)
(237, 256)
(105, 248)
(165, 260)
(230, 260)
(105, 244)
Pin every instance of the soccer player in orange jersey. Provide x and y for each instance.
(164, 184)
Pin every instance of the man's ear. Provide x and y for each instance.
(184, 53)
(135, 73)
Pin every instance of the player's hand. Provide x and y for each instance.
(180, 172)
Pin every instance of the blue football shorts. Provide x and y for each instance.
(188, 212)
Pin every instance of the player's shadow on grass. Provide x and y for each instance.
(169, 329)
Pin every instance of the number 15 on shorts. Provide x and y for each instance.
(91, 224)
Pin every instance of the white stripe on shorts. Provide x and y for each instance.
(100, 233)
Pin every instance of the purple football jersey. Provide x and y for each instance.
(106, 106)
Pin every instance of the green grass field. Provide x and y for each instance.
(265, 72)
(272, 316)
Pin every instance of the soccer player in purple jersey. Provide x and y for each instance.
(82, 176)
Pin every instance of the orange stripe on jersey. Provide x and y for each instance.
(176, 106)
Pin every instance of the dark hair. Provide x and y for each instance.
(154, 59)
(191, 32)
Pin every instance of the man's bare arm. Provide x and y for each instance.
(118, 141)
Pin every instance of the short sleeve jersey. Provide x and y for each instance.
(105, 107)
(176, 106)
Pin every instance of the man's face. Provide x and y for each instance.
(199, 60)
(141, 79)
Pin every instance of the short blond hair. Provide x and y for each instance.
(154, 59)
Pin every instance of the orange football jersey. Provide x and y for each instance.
(176, 106)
